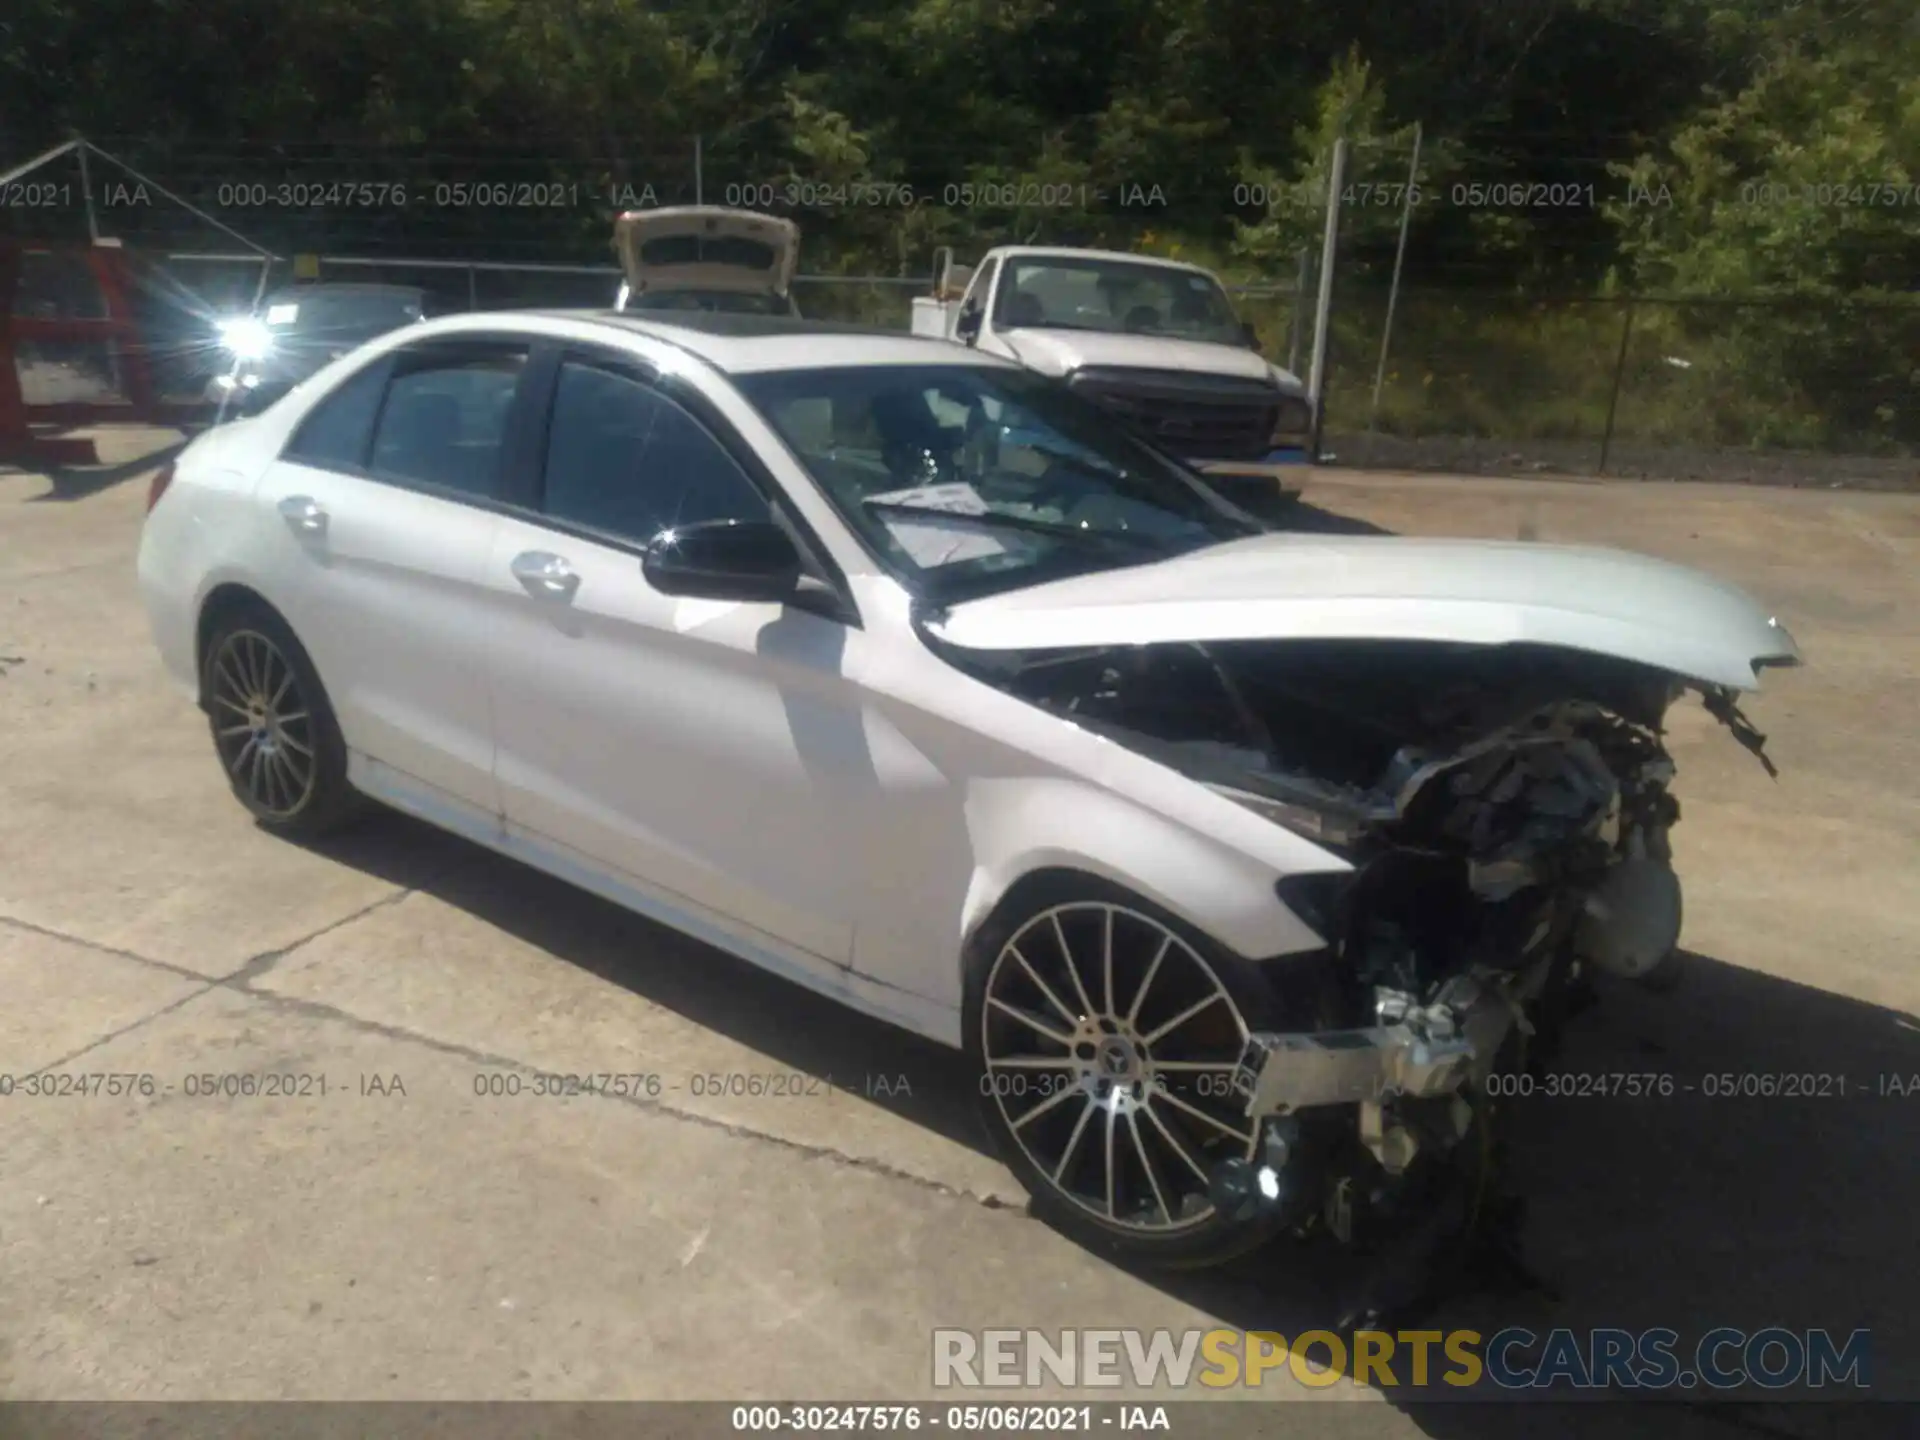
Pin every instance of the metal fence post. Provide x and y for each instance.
(1619, 372)
(1393, 292)
(1323, 308)
(86, 190)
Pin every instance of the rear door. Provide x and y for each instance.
(380, 516)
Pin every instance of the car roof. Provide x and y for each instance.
(742, 344)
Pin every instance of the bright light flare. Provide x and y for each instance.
(246, 338)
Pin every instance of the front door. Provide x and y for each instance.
(706, 748)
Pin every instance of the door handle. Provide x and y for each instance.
(304, 515)
(545, 574)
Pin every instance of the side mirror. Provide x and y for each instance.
(1250, 336)
(724, 560)
(967, 326)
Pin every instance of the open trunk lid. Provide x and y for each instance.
(706, 247)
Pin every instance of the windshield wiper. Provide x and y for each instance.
(992, 519)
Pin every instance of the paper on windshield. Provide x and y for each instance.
(928, 541)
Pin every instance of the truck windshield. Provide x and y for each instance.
(969, 479)
(1062, 292)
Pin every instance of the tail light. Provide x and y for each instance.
(162, 478)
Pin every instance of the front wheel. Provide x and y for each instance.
(1107, 1034)
(273, 727)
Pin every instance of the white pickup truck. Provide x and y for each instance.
(1156, 342)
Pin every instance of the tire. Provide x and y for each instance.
(1045, 1119)
(273, 727)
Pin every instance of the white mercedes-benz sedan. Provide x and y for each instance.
(1237, 859)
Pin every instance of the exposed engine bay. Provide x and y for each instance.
(1506, 813)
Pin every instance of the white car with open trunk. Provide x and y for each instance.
(1237, 859)
(706, 257)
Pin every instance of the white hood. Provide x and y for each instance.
(662, 250)
(1060, 352)
(1484, 592)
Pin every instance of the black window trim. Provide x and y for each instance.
(987, 277)
(497, 496)
(523, 490)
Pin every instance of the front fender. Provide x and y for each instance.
(1021, 826)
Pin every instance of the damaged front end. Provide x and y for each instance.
(1505, 811)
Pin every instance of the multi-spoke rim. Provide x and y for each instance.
(261, 724)
(1110, 1049)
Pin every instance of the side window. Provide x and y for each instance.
(337, 432)
(445, 417)
(625, 459)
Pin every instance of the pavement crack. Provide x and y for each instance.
(100, 947)
(236, 980)
(126, 1029)
(257, 965)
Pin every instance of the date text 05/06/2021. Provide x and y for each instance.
(486, 1084)
(1001, 1419)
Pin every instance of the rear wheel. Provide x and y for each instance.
(273, 727)
(1108, 1033)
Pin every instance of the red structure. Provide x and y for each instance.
(18, 443)
(112, 330)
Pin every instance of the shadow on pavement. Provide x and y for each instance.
(77, 482)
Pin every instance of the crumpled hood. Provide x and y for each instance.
(1484, 592)
(1060, 352)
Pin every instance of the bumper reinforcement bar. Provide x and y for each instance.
(1281, 1073)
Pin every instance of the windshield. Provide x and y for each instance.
(368, 312)
(968, 479)
(1118, 296)
(729, 302)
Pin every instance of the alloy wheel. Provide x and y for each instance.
(1110, 1047)
(262, 726)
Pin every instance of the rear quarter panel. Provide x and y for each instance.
(197, 538)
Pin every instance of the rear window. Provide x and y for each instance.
(709, 250)
(711, 301)
(445, 416)
(338, 431)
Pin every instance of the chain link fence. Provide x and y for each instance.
(1776, 390)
